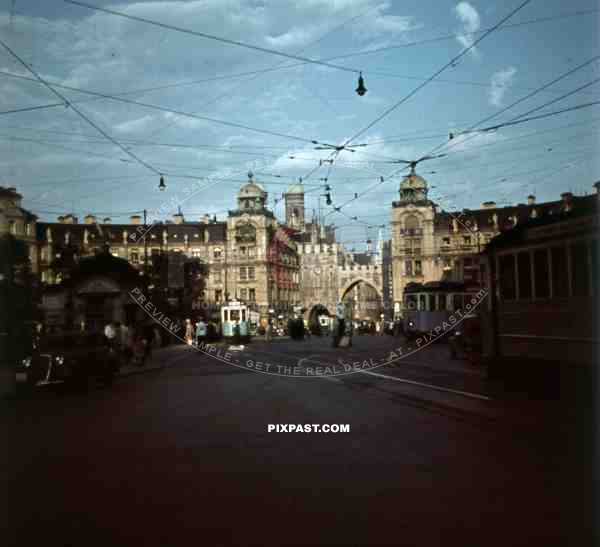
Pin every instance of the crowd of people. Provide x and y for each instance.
(134, 341)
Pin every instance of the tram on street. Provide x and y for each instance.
(430, 305)
(231, 313)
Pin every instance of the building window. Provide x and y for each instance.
(506, 273)
(418, 270)
(196, 253)
(12, 227)
(218, 295)
(560, 280)
(243, 273)
(216, 276)
(466, 240)
(251, 251)
(217, 252)
(524, 267)
(251, 272)
(408, 267)
(580, 270)
(134, 257)
(243, 294)
(446, 241)
(541, 273)
(411, 225)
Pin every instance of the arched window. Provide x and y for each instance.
(411, 224)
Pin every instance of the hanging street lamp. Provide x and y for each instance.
(161, 185)
(361, 89)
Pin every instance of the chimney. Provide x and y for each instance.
(567, 199)
(89, 219)
(369, 247)
(106, 220)
(488, 205)
(530, 199)
(178, 218)
(135, 219)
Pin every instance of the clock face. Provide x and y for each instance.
(245, 232)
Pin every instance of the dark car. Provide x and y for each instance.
(74, 358)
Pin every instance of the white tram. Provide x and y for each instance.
(429, 305)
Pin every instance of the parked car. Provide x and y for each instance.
(74, 358)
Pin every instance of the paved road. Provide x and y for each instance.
(182, 456)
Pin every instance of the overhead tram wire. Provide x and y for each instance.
(275, 67)
(452, 36)
(31, 108)
(75, 109)
(172, 111)
(452, 61)
(539, 117)
(211, 36)
(360, 53)
(524, 98)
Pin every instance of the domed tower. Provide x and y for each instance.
(413, 188)
(251, 197)
(294, 206)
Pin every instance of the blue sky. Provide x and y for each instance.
(62, 164)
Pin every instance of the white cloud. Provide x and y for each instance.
(500, 82)
(135, 125)
(471, 22)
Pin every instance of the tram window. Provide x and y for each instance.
(235, 315)
(410, 302)
(422, 302)
(457, 302)
(506, 267)
(225, 315)
(580, 271)
(541, 273)
(560, 282)
(441, 302)
(524, 265)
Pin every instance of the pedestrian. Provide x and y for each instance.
(110, 334)
(189, 332)
(268, 332)
(201, 333)
(244, 335)
(236, 333)
(148, 336)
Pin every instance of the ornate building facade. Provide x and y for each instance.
(232, 255)
(429, 244)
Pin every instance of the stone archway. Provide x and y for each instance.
(367, 301)
(313, 316)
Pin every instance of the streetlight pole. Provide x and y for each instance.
(145, 251)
